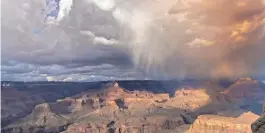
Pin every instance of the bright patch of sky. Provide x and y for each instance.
(55, 7)
(55, 11)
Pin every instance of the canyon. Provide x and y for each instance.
(189, 106)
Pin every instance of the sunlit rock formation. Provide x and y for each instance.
(189, 99)
(194, 106)
(217, 124)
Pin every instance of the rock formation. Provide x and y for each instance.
(246, 88)
(119, 110)
(42, 119)
(149, 124)
(189, 99)
(16, 104)
(217, 124)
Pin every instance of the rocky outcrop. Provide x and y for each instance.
(190, 99)
(247, 94)
(130, 125)
(40, 120)
(172, 124)
(87, 128)
(217, 124)
(246, 88)
(118, 110)
(114, 93)
(16, 104)
(43, 116)
(18, 99)
(73, 107)
(259, 125)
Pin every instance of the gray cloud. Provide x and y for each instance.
(60, 48)
(114, 39)
(22, 71)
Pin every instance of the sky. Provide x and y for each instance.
(92, 40)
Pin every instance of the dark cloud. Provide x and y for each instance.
(84, 43)
(114, 39)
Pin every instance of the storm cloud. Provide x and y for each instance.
(87, 40)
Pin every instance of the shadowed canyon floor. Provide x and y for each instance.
(189, 106)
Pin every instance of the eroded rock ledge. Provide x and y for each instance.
(217, 124)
